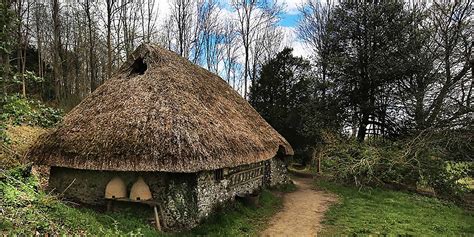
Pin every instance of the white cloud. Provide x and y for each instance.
(291, 6)
(291, 40)
(164, 10)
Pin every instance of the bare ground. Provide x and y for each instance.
(303, 211)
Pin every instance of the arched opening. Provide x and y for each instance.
(138, 67)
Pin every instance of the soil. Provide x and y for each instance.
(303, 211)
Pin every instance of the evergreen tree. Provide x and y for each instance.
(280, 92)
(367, 54)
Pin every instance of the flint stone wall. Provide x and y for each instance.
(278, 172)
(212, 193)
(185, 198)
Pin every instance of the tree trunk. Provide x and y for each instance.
(57, 60)
(110, 4)
(363, 127)
(93, 79)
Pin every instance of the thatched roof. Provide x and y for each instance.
(174, 117)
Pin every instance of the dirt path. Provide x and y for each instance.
(302, 212)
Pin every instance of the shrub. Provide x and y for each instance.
(17, 110)
(407, 163)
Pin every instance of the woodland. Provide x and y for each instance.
(380, 109)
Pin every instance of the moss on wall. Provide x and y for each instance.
(179, 201)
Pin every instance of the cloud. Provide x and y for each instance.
(291, 40)
(163, 10)
(291, 6)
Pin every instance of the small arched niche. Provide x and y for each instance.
(140, 191)
(138, 67)
(116, 189)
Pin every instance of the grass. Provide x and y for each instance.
(21, 138)
(241, 220)
(378, 211)
(26, 211)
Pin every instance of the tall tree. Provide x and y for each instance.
(231, 47)
(182, 12)
(436, 91)
(7, 21)
(111, 9)
(251, 15)
(366, 40)
(277, 94)
(90, 30)
(57, 49)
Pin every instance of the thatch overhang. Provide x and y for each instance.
(160, 112)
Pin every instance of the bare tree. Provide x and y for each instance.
(231, 48)
(267, 43)
(90, 30)
(251, 15)
(148, 19)
(313, 30)
(208, 34)
(57, 47)
(110, 14)
(167, 35)
(181, 13)
(23, 34)
(439, 94)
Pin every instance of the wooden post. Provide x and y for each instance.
(109, 205)
(319, 165)
(157, 219)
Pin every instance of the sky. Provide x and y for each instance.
(288, 22)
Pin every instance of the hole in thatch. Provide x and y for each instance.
(138, 67)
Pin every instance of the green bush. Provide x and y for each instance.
(3, 135)
(17, 110)
(407, 164)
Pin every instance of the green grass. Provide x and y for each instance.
(25, 211)
(241, 220)
(378, 211)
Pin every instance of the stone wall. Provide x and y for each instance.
(179, 205)
(184, 198)
(278, 172)
(175, 192)
(212, 193)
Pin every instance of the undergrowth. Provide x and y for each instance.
(17, 110)
(420, 162)
(21, 138)
(375, 211)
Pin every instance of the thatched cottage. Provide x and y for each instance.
(163, 130)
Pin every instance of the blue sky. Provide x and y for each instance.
(288, 22)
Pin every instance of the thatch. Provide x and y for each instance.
(175, 117)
